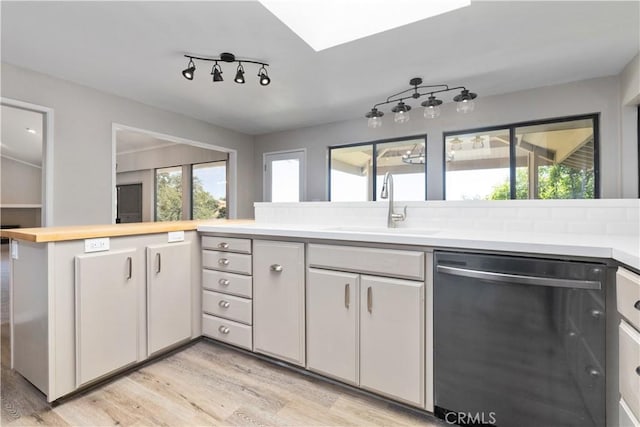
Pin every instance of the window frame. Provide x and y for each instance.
(511, 128)
(226, 174)
(374, 164)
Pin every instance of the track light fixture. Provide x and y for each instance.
(239, 74)
(190, 70)
(431, 105)
(216, 70)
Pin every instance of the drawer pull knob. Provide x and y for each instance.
(638, 371)
(637, 305)
(223, 261)
(223, 330)
(223, 245)
(223, 282)
(224, 304)
(276, 267)
(596, 314)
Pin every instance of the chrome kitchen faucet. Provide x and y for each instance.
(387, 193)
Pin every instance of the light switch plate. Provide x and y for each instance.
(14, 249)
(175, 236)
(96, 245)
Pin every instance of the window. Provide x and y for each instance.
(552, 159)
(209, 190)
(169, 194)
(356, 171)
(284, 176)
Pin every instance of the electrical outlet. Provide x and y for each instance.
(96, 245)
(14, 249)
(175, 236)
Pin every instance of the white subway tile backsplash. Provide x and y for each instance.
(610, 216)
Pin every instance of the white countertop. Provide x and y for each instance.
(623, 249)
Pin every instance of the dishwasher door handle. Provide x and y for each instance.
(518, 279)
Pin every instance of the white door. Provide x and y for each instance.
(332, 324)
(284, 173)
(392, 338)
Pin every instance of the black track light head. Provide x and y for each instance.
(189, 72)
(216, 71)
(263, 76)
(239, 74)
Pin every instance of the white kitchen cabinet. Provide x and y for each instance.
(168, 295)
(332, 324)
(392, 338)
(107, 286)
(367, 331)
(278, 300)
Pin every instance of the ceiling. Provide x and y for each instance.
(135, 50)
(128, 141)
(17, 143)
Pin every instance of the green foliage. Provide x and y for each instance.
(169, 197)
(205, 205)
(554, 182)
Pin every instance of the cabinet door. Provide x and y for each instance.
(278, 300)
(332, 324)
(106, 288)
(168, 295)
(392, 338)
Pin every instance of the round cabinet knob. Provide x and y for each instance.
(223, 261)
(223, 282)
(596, 314)
(223, 245)
(638, 371)
(224, 304)
(223, 330)
(276, 267)
(637, 305)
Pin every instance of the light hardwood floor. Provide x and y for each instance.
(204, 384)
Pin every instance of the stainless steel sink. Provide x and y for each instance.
(384, 230)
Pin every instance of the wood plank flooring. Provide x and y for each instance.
(204, 385)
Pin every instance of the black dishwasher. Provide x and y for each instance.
(519, 341)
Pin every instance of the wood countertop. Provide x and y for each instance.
(78, 232)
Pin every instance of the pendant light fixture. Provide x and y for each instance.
(216, 70)
(431, 105)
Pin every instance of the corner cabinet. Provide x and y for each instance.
(168, 295)
(107, 286)
(278, 300)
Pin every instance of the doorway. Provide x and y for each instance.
(128, 203)
(284, 176)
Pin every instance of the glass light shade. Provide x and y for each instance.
(431, 112)
(401, 117)
(465, 106)
(374, 122)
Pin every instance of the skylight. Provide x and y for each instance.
(326, 23)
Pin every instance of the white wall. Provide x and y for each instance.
(82, 165)
(630, 97)
(590, 96)
(173, 155)
(21, 182)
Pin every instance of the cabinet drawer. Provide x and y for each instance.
(227, 261)
(380, 262)
(630, 367)
(628, 290)
(627, 419)
(229, 244)
(228, 283)
(227, 306)
(227, 331)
